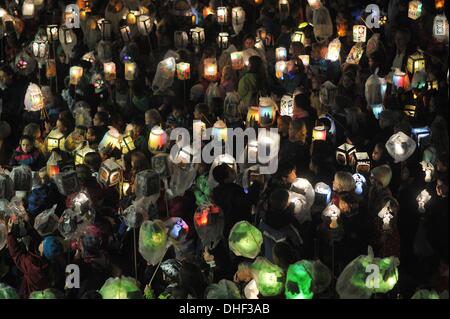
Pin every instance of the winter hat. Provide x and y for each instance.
(52, 247)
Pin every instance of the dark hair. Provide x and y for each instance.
(103, 116)
(285, 254)
(278, 199)
(221, 173)
(285, 168)
(302, 100)
(191, 278)
(27, 137)
(93, 161)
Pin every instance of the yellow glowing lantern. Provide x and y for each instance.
(220, 131)
(267, 112)
(222, 15)
(130, 71)
(414, 9)
(297, 37)
(314, 4)
(183, 71)
(34, 100)
(359, 33)
(75, 74)
(125, 33)
(410, 110)
(157, 140)
(319, 133)
(334, 48)
(222, 40)
(416, 62)
(80, 154)
(261, 33)
(145, 24)
(132, 17)
(305, 59)
(28, 9)
(237, 60)
(109, 70)
(55, 139)
(50, 68)
(253, 116)
(281, 54)
(127, 144)
(210, 69)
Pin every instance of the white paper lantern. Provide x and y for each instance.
(287, 105)
(334, 48)
(400, 146)
(359, 33)
(422, 199)
(440, 28)
(28, 9)
(386, 215)
(34, 100)
(222, 15)
(237, 19)
(281, 54)
(333, 212)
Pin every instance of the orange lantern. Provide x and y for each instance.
(439, 4)
(253, 116)
(157, 140)
(210, 69)
(51, 68)
(342, 29)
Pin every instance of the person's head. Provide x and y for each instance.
(65, 124)
(200, 111)
(139, 162)
(249, 41)
(347, 80)
(138, 126)
(442, 186)
(381, 176)
(224, 174)
(43, 176)
(6, 75)
(343, 182)
(100, 119)
(33, 130)
(283, 123)
(379, 152)
(5, 130)
(255, 64)
(284, 255)
(292, 66)
(91, 134)
(347, 203)
(152, 117)
(228, 74)
(279, 199)
(177, 111)
(51, 248)
(26, 144)
(287, 172)
(298, 131)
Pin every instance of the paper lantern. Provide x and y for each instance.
(360, 183)
(67, 36)
(50, 70)
(314, 4)
(89, 57)
(222, 15)
(55, 139)
(377, 109)
(268, 277)
(220, 131)
(245, 240)
(410, 110)
(183, 71)
(440, 28)
(439, 4)
(400, 147)
(284, 9)
(198, 36)
(198, 129)
(334, 49)
(401, 80)
(210, 72)
(298, 282)
(147, 183)
(105, 27)
(428, 168)
(280, 69)
(209, 224)
(109, 70)
(127, 144)
(355, 54)
(362, 162)
(52, 32)
(120, 288)
(322, 193)
(414, 10)
(130, 71)
(297, 37)
(39, 49)
(34, 100)
(287, 105)
(6, 292)
(237, 19)
(237, 60)
(425, 294)
(180, 40)
(52, 167)
(67, 183)
(253, 116)
(333, 212)
(110, 173)
(319, 133)
(303, 187)
(28, 9)
(359, 33)
(132, 17)
(305, 59)
(267, 113)
(145, 24)
(281, 54)
(49, 293)
(322, 24)
(421, 134)
(111, 139)
(222, 40)
(76, 72)
(422, 199)
(125, 33)
(80, 154)
(342, 30)
(157, 140)
(374, 90)
(416, 62)
(344, 154)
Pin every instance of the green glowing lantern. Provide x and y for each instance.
(425, 294)
(225, 289)
(45, 294)
(121, 288)
(299, 281)
(7, 292)
(245, 240)
(153, 241)
(269, 277)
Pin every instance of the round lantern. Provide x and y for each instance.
(153, 241)
(157, 140)
(422, 199)
(34, 100)
(245, 240)
(209, 224)
(400, 146)
(401, 80)
(319, 133)
(322, 193)
(111, 139)
(210, 72)
(268, 276)
(220, 131)
(120, 288)
(314, 4)
(334, 49)
(183, 71)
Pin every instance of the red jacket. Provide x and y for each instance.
(33, 267)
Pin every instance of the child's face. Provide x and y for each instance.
(96, 120)
(90, 135)
(283, 128)
(376, 154)
(26, 146)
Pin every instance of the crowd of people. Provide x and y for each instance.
(362, 167)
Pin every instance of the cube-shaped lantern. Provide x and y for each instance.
(210, 71)
(334, 48)
(414, 9)
(157, 140)
(147, 183)
(359, 33)
(237, 60)
(52, 32)
(322, 194)
(421, 135)
(344, 154)
(362, 162)
(28, 9)
(181, 39)
(287, 105)
(105, 27)
(67, 183)
(130, 71)
(55, 139)
(222, 15)
(400, 146)
(298, 37)
(355, 54)
(410, 110)
(440, 28)
(110, 173)
(125, 33)
(266, 114)
(183, 71)
(80, 154)
(281, 54)
(280, 69)
(127, 144)
(145, 24)
(314, 4)
(401, 80)
(377, 109)
(222, 40)
(319, 133)
(160, 164)
(416, 62)
(198, 36)
(253, 116)
(75, 74)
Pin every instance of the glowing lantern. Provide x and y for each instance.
(7, 292)
(50, 71)
(319, 133)
(145, 24)
(333, 212)
(210, 69)
(222, 15)
(67, 183)
(375, 89)
(76, 72)
(40, 50)
(287, 105)
(44, 294)
(284, 8)
(199, 129)
(359, 33)
(222, 40)
(130, 71)
(237, 60)
(401, 80)
(422, 199)
(183, 71)
(420, 134)
(207, 11)
(110, 173)
(342, 30)
(125, 33)
(362, 162)
(440, 28)
(416, 62)
(52, 165)
(127, 144)
(305, 59)
(132, 17)
(245, 240)
(120, 288)
(177, 229)
(334, 49)
(109, 70)
(355, 54)
(198, 36)
(281, 54)
(377, 109)
(28, 9)
(268, 277)
(414, 10)
(237, 19)
(314, 4)
(220, 131)
(55, 139)
(323, 193)
(52, 32)
(428, 168)
(261, 33)
(298, 281)
(344, 154)
(34, 100)
(267, 111)
(147, 183)
(67, 35)
(80, 154)
(297, 37)
(181, 39)
(439, 4)
(400, 147)
(157, 140)
(105, 27)
(360, 182)
(111, 139)
(410, 110)
(253, 116)
(280, 69)
(89, 57)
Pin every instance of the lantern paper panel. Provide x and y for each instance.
(220, 131)
(130, 71)
(440, 28)
(281, 54)
(253, 116)
(362, 162)
(319, 133)
(287, 105)
(110, 173)
(209, 224)
(344, 154)
(55, 139)
(334, 48)
(198, 36)
(333, 212)
(299, 279)
(76, 72)
(210, 72)
(298, 36)
(177, 230)
(153, 241)
(183, 71)
(81, 153)
(375, 89)
(147, 183)
(400, 147)
(305, 59)
(268, 277)
(28, 9)
(323, 26)
(409, 110)
(237, 19)
(355, 54)
(111, 139)
(34, 100)
(127, 144)
(360, 183)
(267, 111)
(284, 9)
(314, 4)
(222, 40)
(109, 69)
(222, 15)
(322, 193)
(421, 135)
(401, 80)
(414, 9)
(50, 71)
(120, 288)
(415, 62)
(145, 24)
(157, 140)
(67, 183)
(359, 33)
(245, 240)
(46, 222)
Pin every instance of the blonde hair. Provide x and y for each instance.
(344, 182)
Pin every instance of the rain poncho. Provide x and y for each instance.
(6, 187)
(245, 240)
(46, 222)
(121, 288)
(22, 178)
